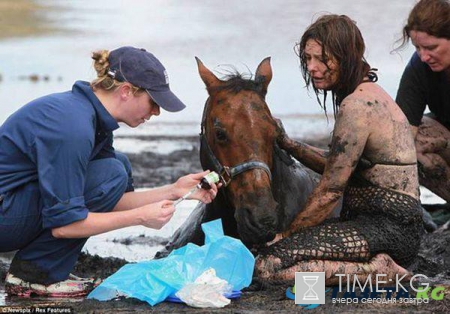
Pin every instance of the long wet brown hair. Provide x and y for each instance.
(341, 41)
(429, 16)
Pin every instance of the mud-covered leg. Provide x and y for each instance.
(310, 247)
(433, 155)
(267, 269)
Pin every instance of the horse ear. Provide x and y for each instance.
(264, 73)
(207, 76)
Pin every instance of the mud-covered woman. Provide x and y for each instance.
(371, 164)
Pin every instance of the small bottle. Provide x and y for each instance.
(206, 181)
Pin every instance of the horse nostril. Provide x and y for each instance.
(270, 236)
(254, 228)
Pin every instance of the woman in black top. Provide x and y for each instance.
(426, 82)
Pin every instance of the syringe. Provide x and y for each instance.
(205, 183)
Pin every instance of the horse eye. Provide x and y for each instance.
(221, 135)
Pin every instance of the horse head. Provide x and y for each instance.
(236, 128)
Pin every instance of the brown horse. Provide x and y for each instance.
(263, 188)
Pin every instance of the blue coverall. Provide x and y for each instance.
(57, 163)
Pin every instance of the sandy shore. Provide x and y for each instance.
(21, 18)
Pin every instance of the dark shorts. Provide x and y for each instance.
(391, 222)
(373, 220)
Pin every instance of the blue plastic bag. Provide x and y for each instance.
(153, 281)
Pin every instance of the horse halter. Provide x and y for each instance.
(227, 173)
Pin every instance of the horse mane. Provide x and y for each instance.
(237, 82)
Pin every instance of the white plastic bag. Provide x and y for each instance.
(206, 291)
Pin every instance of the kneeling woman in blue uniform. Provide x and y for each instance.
(61, 181)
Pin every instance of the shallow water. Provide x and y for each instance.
(218, 32)
(163, 146)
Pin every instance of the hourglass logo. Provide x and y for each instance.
(310, 288)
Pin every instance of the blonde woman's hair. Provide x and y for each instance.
(103, 80)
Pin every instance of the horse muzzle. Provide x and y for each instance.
(257, 224)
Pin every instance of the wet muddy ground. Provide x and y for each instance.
(153, 170)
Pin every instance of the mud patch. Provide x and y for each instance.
(434, 256)
(143, 240)
(152, 170)
(96, 266)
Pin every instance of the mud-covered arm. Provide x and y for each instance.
(414, 130)
(349, 139)
(312, 157)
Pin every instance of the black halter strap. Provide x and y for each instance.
(227, 173)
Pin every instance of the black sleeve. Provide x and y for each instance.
(411, 94)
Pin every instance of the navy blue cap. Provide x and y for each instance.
(142, 69)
